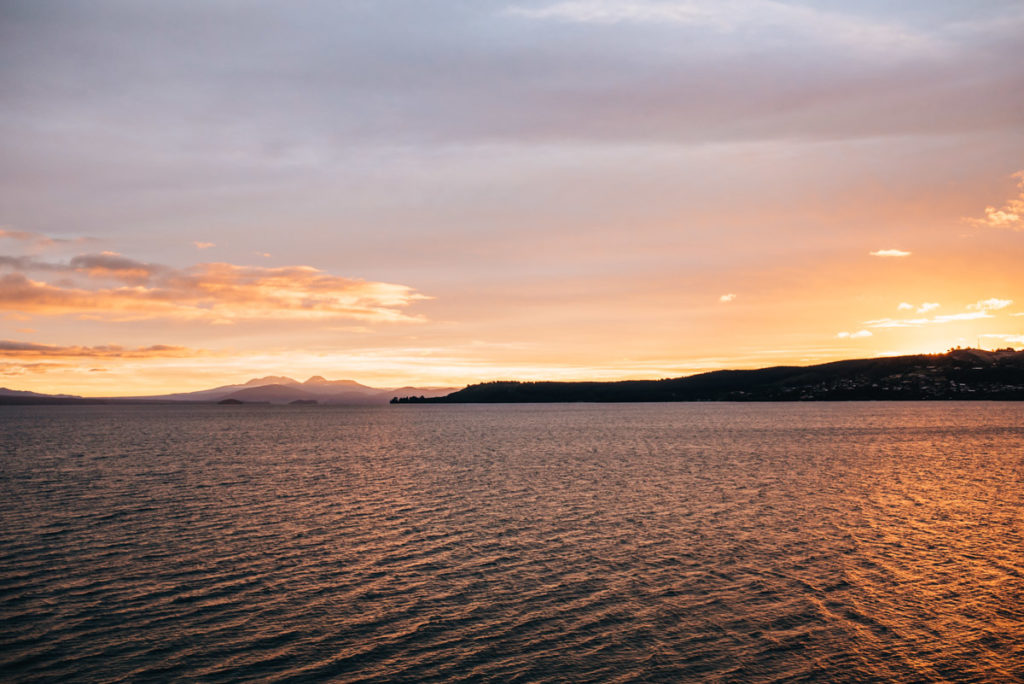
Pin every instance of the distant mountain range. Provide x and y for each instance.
(957, 374)
(272, 389)
(276, 389)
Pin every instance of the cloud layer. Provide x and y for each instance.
(30, 358)
(109, 286)
(31, 350)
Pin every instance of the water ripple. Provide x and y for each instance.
(767, 543)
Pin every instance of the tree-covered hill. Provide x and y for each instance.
(957, 374)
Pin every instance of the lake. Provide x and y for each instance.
(578, 542)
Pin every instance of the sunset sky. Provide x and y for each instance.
(439, 193)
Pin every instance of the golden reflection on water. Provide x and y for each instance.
(829, 542)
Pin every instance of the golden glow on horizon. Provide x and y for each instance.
(126, 376)
(301, 321)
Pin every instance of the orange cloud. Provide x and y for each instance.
(22, 235)
(110, 286)
(1010, 215)
(889, 253)
(30, 358)
(26, 368)
(39, 240)
(23, 350)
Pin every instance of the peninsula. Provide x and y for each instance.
(957, 374)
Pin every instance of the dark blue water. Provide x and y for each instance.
(683, 542)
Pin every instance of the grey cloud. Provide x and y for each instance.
(38, 240)
(21, 235)
(342, 74)
(8, 345)
(106, 265)
(23, 263)
(117, 267)
(131, 111)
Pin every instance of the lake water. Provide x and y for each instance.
(643, 542)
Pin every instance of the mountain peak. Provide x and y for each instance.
(320, 380)
(271, 380)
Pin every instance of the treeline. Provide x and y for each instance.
(958, 374)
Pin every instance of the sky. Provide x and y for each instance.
(435, 194)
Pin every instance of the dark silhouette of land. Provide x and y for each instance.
(957, 374)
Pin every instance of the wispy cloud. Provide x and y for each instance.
(11, 348)
(1006, 337)
(204, 245)
(110, 286)
(918, 322)
(727, 16)
(30, 358)
(890, 253)
(726, 298)
(638, 11)
(966, 316)
(897, 322)
(923, 308)
(855, 335)
(993, 304)
(22, 235)
(17, 368)
(977, 311)
(1010, 215)
(38, 241)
